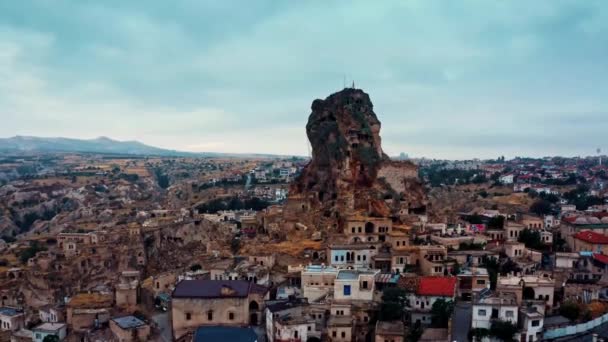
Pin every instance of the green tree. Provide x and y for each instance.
(541, 207)
(503, 330)
(571, 310)
(496, 222)
(441, 312)
(393, 301)
(531, 238)
(51, 338)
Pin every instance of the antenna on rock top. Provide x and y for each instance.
(344, 82)
(353, 84)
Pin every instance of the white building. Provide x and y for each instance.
(506, 179)
(531, 324)
(287, 321)
(430, 289)
(490, 307)
(351, 256)
(11, 319)
(46, 329)
(355, 285)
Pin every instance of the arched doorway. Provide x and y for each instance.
(253, 319)
(528, 293)
(254, 309)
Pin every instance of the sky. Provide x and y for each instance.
(448, 79)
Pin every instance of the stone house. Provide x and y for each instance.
(215, 302)
(129, 329)
(340, 329)
(11, 319)
(589, 241)
(52, 314)
(392, 331)
(88, 310)
(367, 229)
(318, 281)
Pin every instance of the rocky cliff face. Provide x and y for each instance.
(349, 172)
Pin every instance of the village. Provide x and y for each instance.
(348, 245)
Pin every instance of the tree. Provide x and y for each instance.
(393, 301)
(571, 310)
(496, 222)
(531, 238)
(51, 338)
(441, 312)
(475, 219)
(235, 245)
(503, 330)
(541, 207)
(31, 251)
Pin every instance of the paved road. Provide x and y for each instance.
(461, 322)
(162, 320)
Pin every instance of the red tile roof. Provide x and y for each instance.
(601, 258)
(437, 286)
(592, 237)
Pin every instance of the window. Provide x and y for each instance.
(353, 230)
(347, 290)
(343, 334)
(481, 312)
(535, 323)
(295, 334)
(188, 316)
(336, 258)
(309, 328)
(509, 314)
(481, 282)
(364, 285)
(334, 334)
(210, 316)
(231, 316)
(38, 337)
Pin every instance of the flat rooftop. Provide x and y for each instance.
(129, 322)
(50, 327)
(6, 311)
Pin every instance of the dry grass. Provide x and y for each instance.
(90, 300)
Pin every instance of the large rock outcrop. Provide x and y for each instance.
(349, 173)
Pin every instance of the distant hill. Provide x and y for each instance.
(101, 145)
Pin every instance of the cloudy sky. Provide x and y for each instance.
(449, 79)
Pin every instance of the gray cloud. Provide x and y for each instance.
(448, 79)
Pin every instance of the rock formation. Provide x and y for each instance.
(349, 173)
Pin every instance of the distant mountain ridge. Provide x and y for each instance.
(102, 145)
